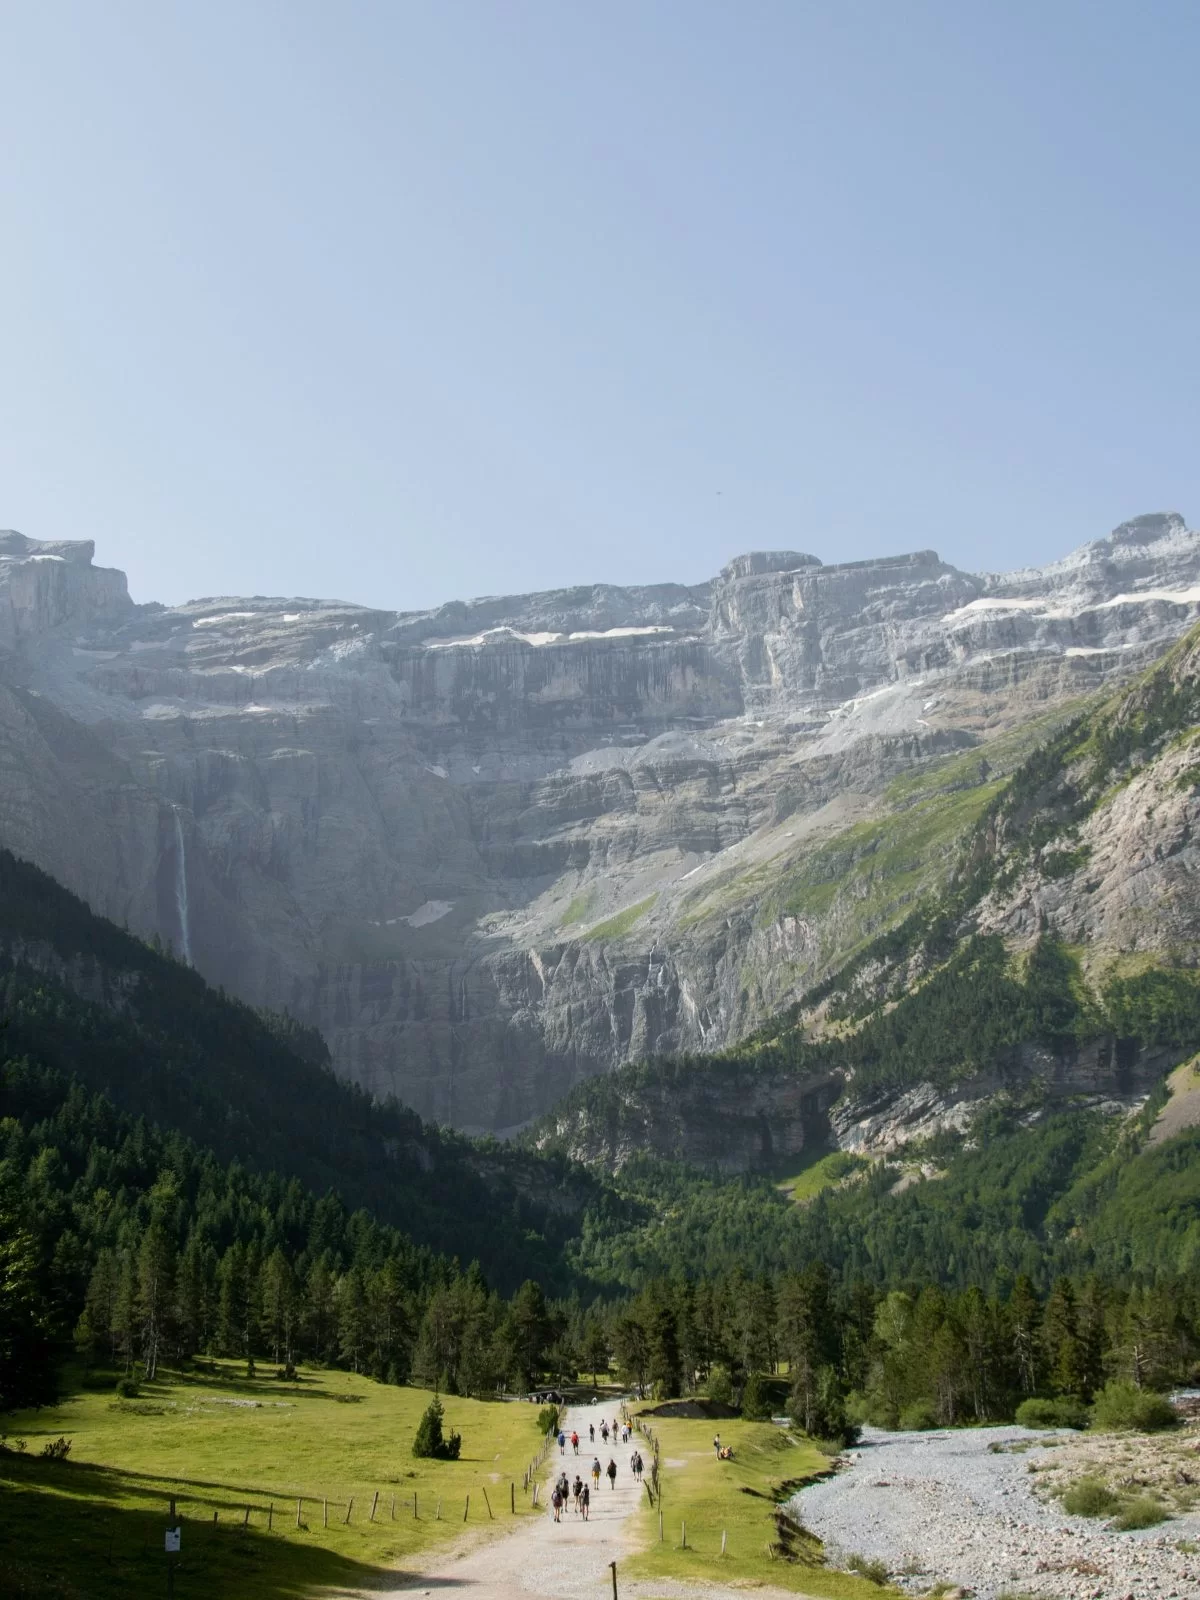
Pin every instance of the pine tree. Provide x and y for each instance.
(1024, 1322)
(352, 1319)
(279, 1306)
(27, 1370)
(318, 1308)
(430, 1441)
(1060, 1339)
(155, 1292)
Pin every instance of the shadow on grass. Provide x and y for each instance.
(70, 1531)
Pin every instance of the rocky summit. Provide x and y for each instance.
(497, 847)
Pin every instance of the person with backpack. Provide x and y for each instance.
(611, 1469)
(604, 1431)
(596, 1471)
(587, 1502)
(562, 1443)
(591, 1433)
(575, 1442)
(577, 1492)
(556, 1502)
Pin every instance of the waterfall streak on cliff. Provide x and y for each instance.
(181, 890)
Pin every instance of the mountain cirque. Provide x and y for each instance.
(492, 848)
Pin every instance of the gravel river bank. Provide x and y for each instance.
(961, 1506)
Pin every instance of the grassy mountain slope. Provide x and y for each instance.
(1025, 965)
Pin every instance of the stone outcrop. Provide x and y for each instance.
(493, 848)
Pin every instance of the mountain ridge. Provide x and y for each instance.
(492, 849)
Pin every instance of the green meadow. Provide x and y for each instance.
(736, 1498)
(225, 1446)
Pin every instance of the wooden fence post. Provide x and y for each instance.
(660, 1526)
(349, 1509)
(488, 1504)
(512, 1498)
(683, 1539)
(394, 1507)
(438, 1518)
(722, 1541)
(299, 1503)
(246, 1518)
(416, 1514)
(270, 1514)
(374, 1503)
(613, 1566)
(466, 1508)
(171, 1523)
(325, 1513)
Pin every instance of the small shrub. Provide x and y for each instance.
(127, 1389)
(873, 1571)
(918, 1417)
(858, 1407)
(57, 1449)
(756, 1399)
(1144, 1511)
(1064, 1412)
(1089, 1497)
(548, 1419)
(431, 1442)
(1122, 1405)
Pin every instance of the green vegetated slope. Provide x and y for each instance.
(936, 997)
(1046, 1184)
(1036, 1193)
(80, 996)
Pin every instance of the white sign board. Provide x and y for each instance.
(172, 1541)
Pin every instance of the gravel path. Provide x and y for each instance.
(564, 1561)
(945, 1506)
(567, 1560)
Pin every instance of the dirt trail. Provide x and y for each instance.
(565, 1561)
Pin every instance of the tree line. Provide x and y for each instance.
(836, 1355)
(137, 1247)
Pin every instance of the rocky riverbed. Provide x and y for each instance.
(975, 1508)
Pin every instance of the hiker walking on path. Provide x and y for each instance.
(587, 1501)
(604, 1431)
(562, 1443)
(596, 1471)
(575, 1442)
(591, 1433)
(611, 1469)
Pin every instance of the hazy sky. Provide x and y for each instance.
(398, 302)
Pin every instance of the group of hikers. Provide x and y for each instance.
(579, 1494)
(606, 1429)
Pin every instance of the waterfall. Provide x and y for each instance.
(181, 892)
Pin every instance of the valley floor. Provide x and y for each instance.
(972, 1507)
(539, 1560)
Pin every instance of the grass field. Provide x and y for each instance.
(819, 1174)
(738, 1498)
(93, 1525)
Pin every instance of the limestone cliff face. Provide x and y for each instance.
(497, 847)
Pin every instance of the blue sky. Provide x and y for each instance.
(399, 302)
